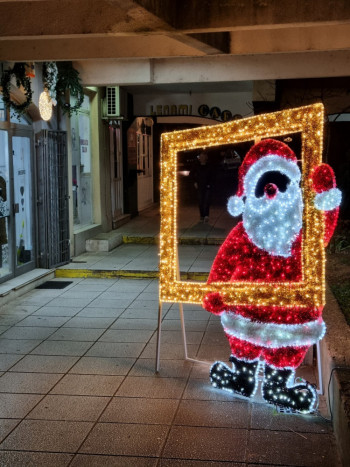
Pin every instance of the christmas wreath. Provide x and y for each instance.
(18, 71)
(68, 79)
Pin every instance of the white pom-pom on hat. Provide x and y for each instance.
(328, 200)
(235, 206)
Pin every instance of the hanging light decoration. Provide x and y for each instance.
(45, 105)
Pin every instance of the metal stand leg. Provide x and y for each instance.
(159, 331)
(319, 366)
(181, 310)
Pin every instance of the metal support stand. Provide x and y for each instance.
(319, 366)
(183, 330)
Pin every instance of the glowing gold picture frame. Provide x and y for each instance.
(310, 291)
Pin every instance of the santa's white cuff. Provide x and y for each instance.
(328, 200)
(273, 335)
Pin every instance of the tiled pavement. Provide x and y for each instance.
(78, 388)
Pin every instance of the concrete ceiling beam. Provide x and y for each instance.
(98, 48)
(215, 69)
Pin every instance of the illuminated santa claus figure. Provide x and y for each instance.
(266, 246)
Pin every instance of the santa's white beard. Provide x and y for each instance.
(273, 224)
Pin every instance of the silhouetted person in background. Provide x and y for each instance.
(203, 176)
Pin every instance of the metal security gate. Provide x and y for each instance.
(52, 199)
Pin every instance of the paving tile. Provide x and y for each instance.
(175, 337)
(87, 385)
(113, 349)
(3, 329)
(88, 312)
(215, 352)
(11, 320)
(45, 321)
(28, 332)
(70, 302)
(36, 299)
(192, 463)
(45, 364)
(57, 311)
(12, 309)
(34, 459)
(8, 360)
(17, 405)
(88, 460)
(93, 323)
(140, 410)
(169, 351)
(202, 443)
(140, 313)
(190, 325)
(6, 426)
(62, 348)
(128, 439)
(108, 303)
(168, 368)
(191, 315)
(76, 293)
(266, 417)
(278, 447)
(212, 338)
(199, 389)
(122, 301)
(103, 366)
(93, 286)
(28, 383)
(141, 324)
(76, 334)
(20, 346)
(152, 387)
(126, 335)
(141, 304)
(47, 435)
(73, 408)
(230, 414)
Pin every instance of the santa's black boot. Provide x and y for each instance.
(279, 389)
(241, 378)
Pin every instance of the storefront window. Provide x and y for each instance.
(81, 167)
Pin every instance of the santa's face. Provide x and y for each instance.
(273, 208)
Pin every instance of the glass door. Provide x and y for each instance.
(6, 264)
(23, 201)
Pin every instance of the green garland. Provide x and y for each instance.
(50, 77)
(21, 79)
(68, 79)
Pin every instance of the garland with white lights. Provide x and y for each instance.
(68, 80)
(18, 71)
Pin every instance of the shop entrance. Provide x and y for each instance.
(17, 245)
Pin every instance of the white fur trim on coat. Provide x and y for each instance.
(273, 335)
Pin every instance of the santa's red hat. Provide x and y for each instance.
(267, 147)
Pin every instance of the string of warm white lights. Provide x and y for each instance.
(310, 289)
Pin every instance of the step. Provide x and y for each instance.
(20, 285)
(104, 241)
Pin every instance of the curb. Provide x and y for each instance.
(110, 274)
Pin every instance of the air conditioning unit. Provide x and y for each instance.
(115, 104)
